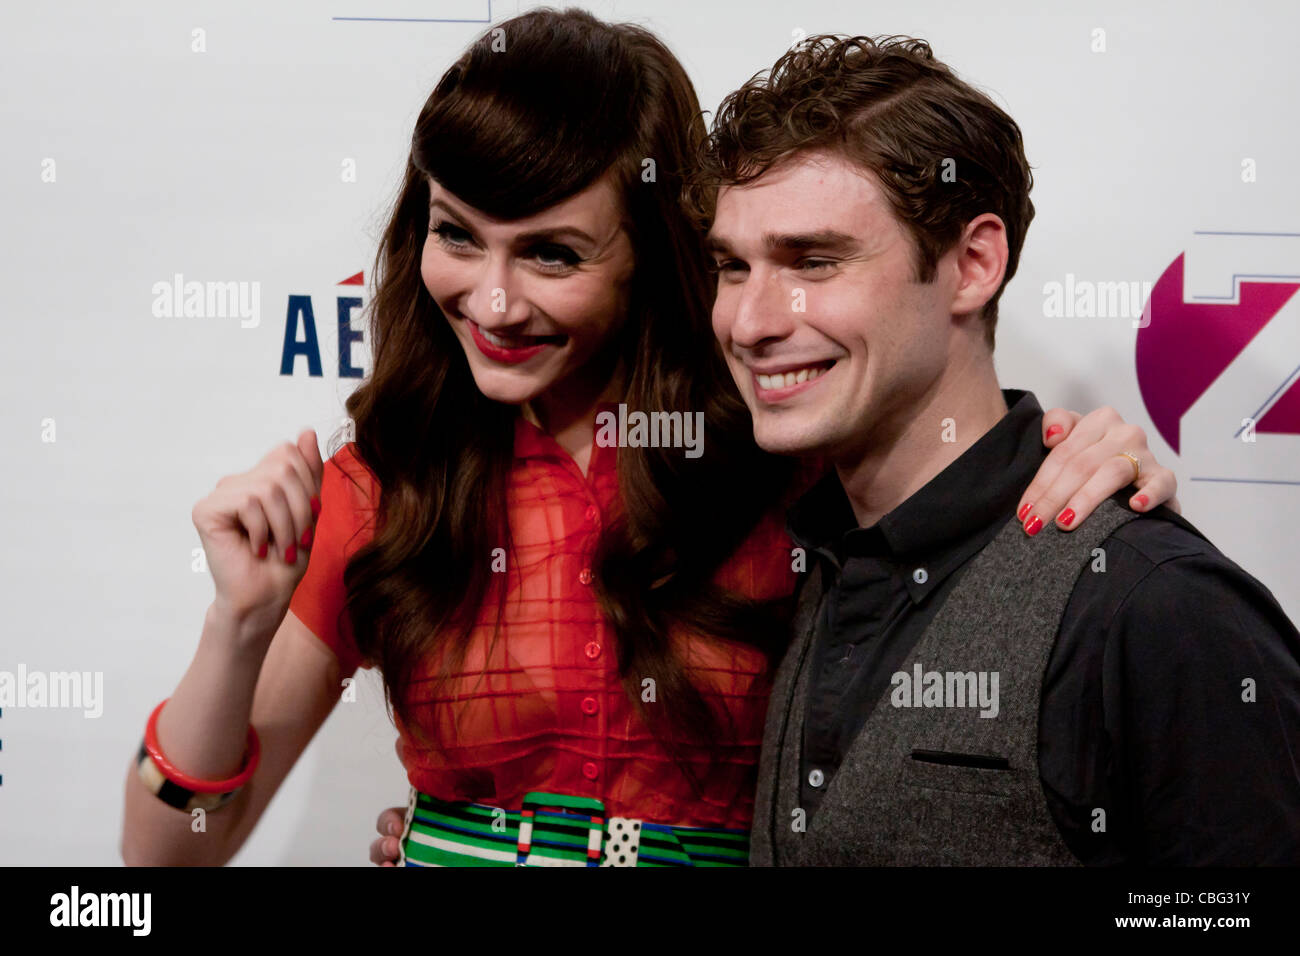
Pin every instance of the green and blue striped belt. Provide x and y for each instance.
(555, 830)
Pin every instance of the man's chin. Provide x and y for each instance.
(787, 441)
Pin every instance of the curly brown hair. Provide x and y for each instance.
(887, 104)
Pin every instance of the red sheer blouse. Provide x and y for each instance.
(545, 708)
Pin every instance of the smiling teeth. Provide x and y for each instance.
(785, 380)
(499, 342)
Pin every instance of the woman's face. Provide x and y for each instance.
(532, 300)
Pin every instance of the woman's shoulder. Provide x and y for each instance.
(343, 526)
(348, 458)
(762, 566)
(349, 497)
(808, 472)
(346, 467)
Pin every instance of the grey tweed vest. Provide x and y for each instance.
(937, 785)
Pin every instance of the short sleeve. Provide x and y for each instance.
(808, 472)
(760, 568)
(344, 526)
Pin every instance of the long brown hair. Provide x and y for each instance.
(512, 131)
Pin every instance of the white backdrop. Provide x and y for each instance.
(137, 149)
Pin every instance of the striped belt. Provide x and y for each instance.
(555, 830)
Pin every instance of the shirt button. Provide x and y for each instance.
(593, 514)
(816, 778)
(585, 576)
(589, 705)
(920, 576)
(592, 650)
(590, 770)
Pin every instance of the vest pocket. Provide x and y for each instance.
(959, 772)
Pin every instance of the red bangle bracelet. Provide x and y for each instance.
(253, 752)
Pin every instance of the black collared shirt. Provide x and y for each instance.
(1142, 710)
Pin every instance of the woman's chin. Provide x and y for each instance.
(509, 389)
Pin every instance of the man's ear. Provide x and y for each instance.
(981, 263)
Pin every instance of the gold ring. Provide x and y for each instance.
(1137, 465)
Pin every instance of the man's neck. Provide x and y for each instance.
(882, 476)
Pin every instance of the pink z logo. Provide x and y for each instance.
(1185, 343)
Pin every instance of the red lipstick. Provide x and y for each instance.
(498, 353)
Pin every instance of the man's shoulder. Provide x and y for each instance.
(1164, 641)
(1161, 567)
(1162, 535)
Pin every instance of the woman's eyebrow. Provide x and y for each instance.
(548, 234)
(439, 204)
(556, 232)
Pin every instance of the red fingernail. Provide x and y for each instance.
(1053, 430)
(1142, 500)
(290, 554)
(306, 538)
(1035, 525)
(261, 552)
(1024, 510)
(1066, 516)
(315, 507)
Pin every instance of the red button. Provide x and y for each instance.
(585, 576)
(593, 514)
(589, 705)
(590, 770)
(592, 649)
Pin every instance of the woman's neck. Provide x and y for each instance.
(567, 413)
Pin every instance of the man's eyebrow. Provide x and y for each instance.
(527, 238)
(829, 239)
(822, 239)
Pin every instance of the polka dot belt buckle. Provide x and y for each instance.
(622, 842)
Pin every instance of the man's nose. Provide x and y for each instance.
(764, 310)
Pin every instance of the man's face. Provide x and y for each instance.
(831, 341)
